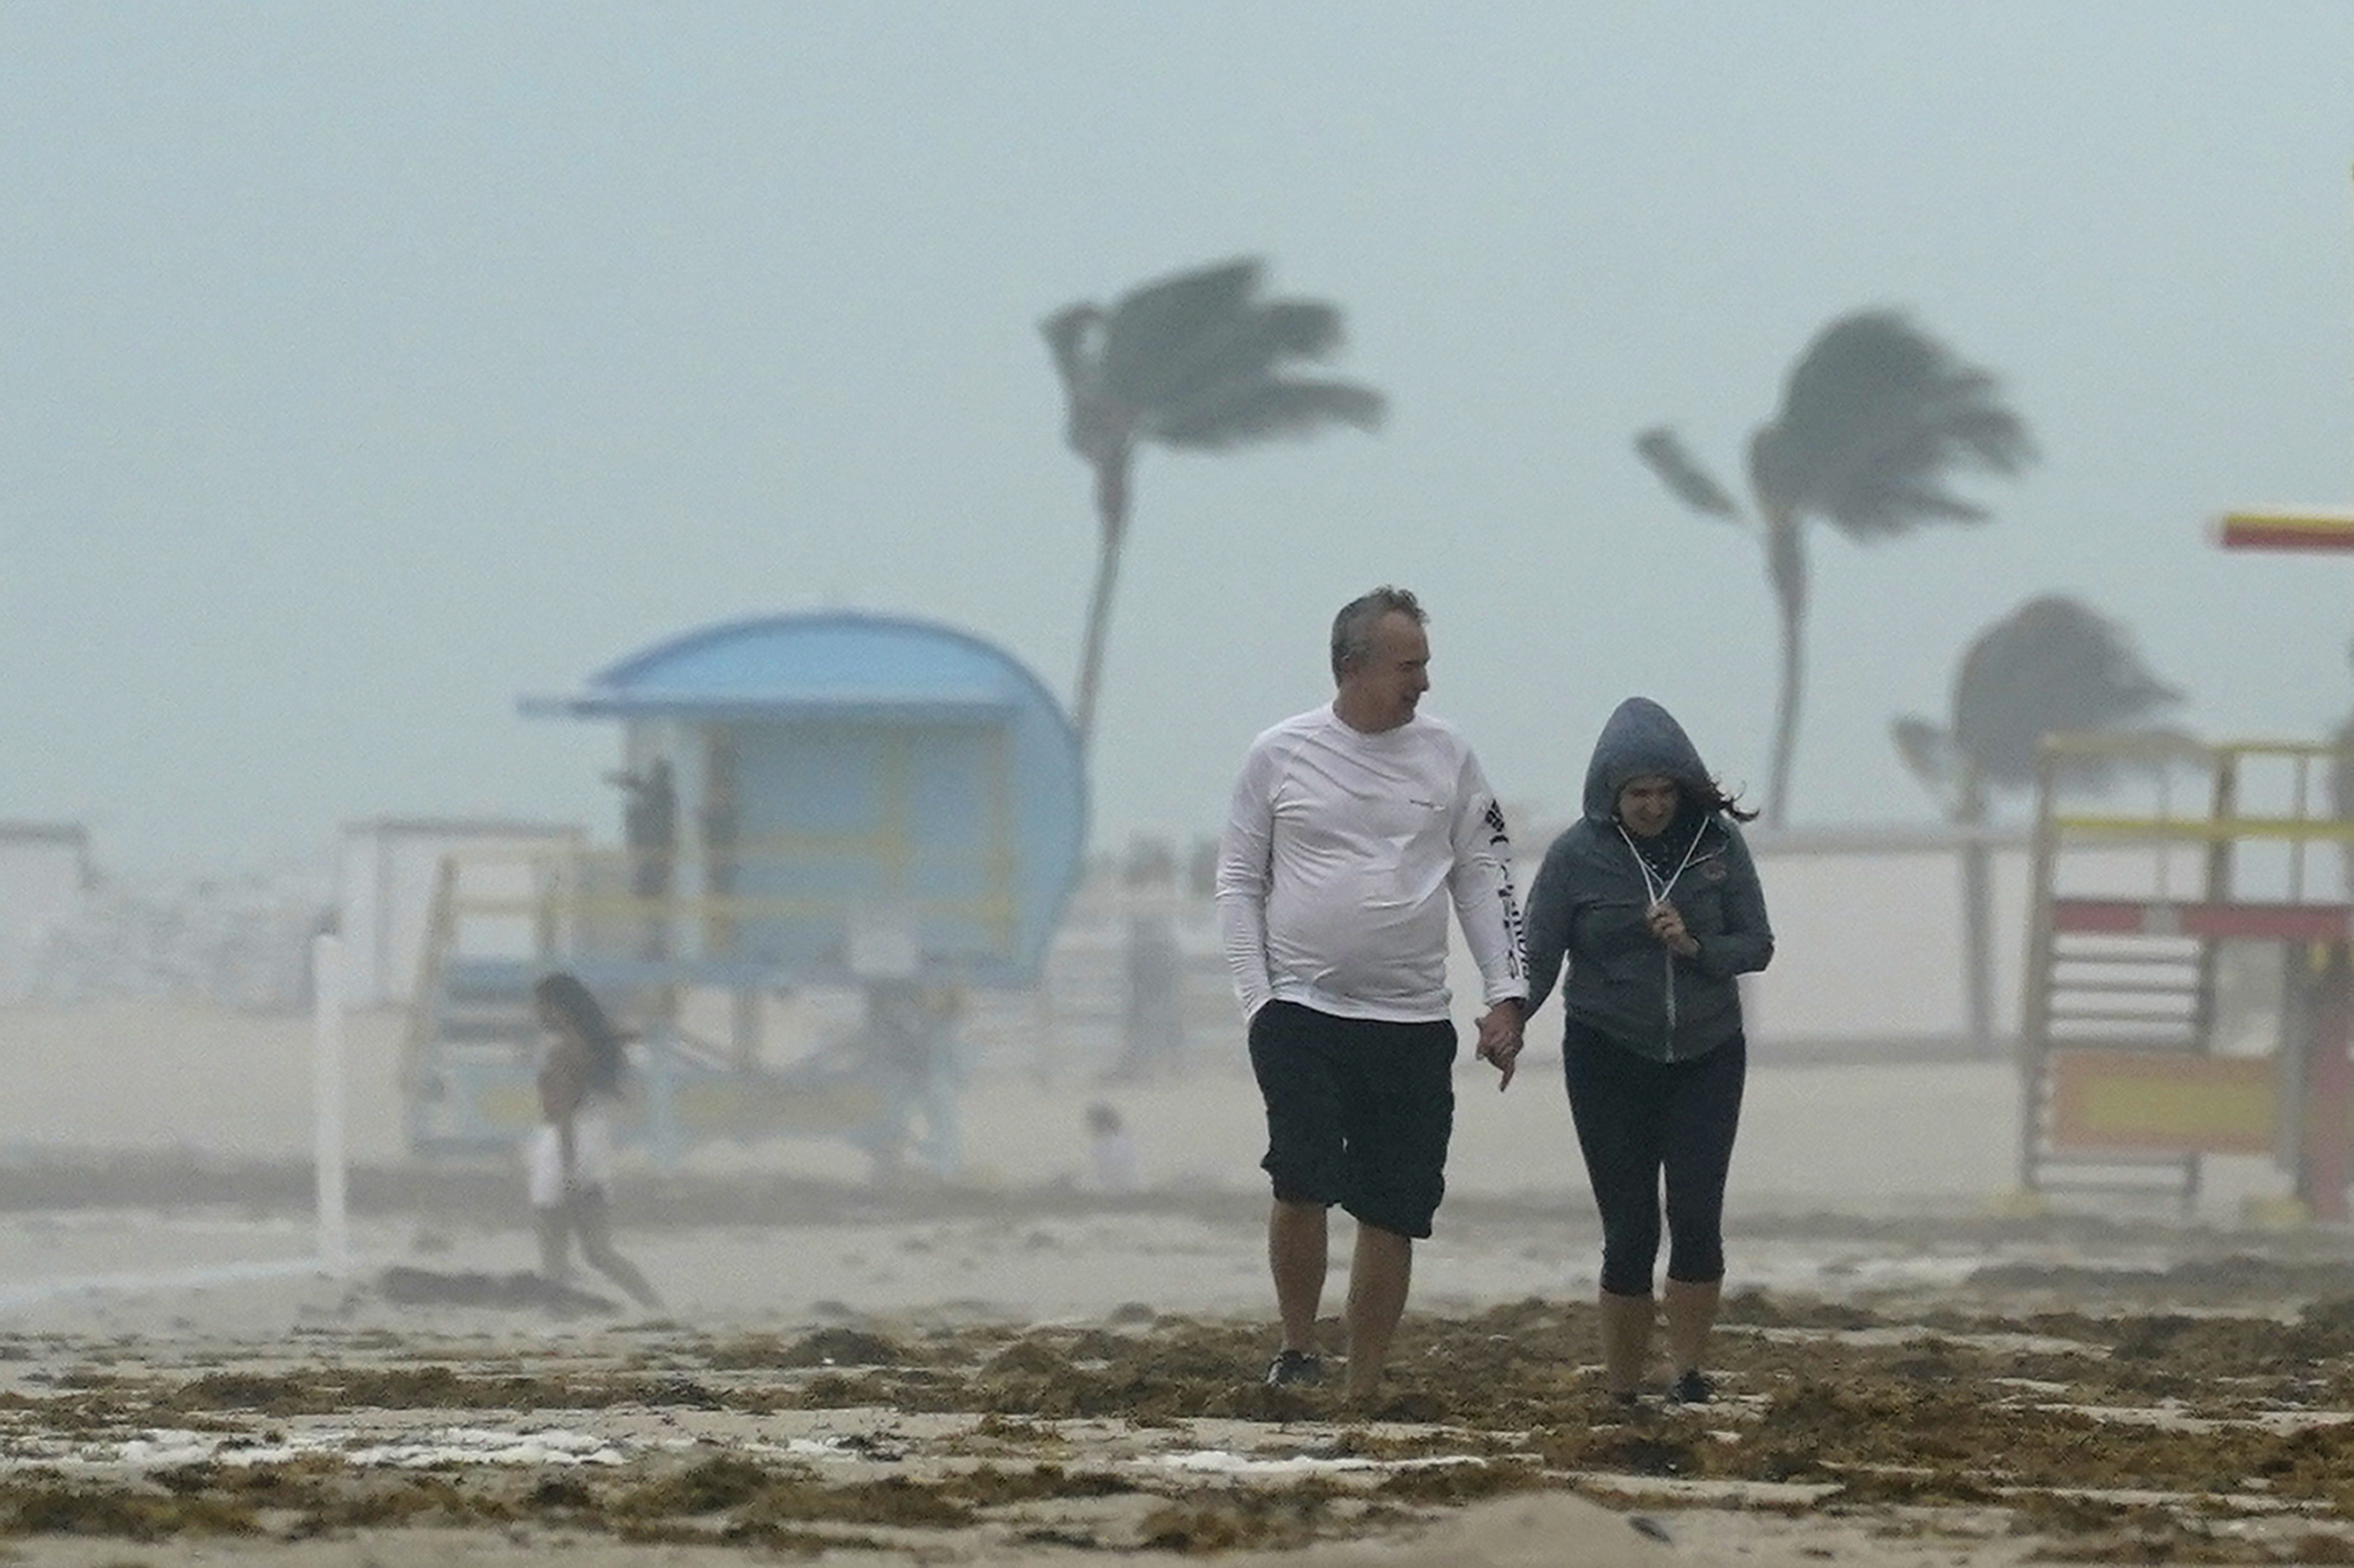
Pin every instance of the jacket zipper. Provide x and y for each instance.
(1655, 891)
(1670, 960)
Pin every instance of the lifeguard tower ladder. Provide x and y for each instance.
(2125, 1085)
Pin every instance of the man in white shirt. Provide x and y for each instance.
(1353, 827)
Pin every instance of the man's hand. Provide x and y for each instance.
(1500, 1038)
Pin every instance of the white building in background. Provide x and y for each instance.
(45, 882)
(384, 878)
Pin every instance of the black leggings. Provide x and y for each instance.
(1637, 1118)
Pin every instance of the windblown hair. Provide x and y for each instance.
(580, 1012)
(1352, 629)
(1713, 798)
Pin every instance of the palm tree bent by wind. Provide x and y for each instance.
(2052, 666)
(1875, 414)
(1195, 361)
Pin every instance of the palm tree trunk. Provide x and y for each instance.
(1111, 518)
(1785, 568)
(1977, 918)
(1786, 727)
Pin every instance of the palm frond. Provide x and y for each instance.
(1928, 752)
(1990, 435)
(1885, 506)
(1244, 411)
(1663, 452)
(1073, 337)
(1297, 329)
(1164, 323)
(1196, 359)
(2052, 666)
(1875, 416)
(1068, 334)
(1251, 344)
(1210, 289)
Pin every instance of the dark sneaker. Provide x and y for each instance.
(1294, 1368)
(1691, 1387)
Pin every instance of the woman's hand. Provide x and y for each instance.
(1667, 924)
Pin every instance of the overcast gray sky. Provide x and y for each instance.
(363, 368)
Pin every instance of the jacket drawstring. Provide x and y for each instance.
(1657, 892)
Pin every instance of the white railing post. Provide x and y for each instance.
(327, 1144)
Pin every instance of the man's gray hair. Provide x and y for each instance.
(1352, 629)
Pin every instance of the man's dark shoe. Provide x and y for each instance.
(1294, 1368)
(1691, 1387)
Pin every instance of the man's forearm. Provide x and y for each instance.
(1242, 932)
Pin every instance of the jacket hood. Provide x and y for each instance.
(1641, 737)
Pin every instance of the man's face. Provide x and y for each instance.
(1382, 688)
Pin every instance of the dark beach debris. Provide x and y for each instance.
(2153, 1436)
(407, 1286)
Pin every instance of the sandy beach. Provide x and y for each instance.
(1010, 1368)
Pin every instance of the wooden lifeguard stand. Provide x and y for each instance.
(2124, 1086)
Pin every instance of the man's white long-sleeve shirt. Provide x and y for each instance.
(1341, 854)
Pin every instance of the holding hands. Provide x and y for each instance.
(1500, 1038)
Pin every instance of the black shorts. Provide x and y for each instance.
(1358, 1112)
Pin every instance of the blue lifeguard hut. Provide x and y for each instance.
(830, 799)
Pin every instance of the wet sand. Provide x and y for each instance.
(1013, 1369)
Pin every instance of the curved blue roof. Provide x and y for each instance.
(838, 661)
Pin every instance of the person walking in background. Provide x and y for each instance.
(571, 1155)
(1352, 827)
(909, 1033)
(1654, 900)
(1153, 1019)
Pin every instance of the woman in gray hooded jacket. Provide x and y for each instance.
(1653, 899)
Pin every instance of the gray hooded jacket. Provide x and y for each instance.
(1589, 897)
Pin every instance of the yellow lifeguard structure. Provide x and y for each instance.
(2128, 1082)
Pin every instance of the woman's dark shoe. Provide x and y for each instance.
(1691, 1387)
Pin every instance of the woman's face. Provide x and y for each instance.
(1647, 804)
